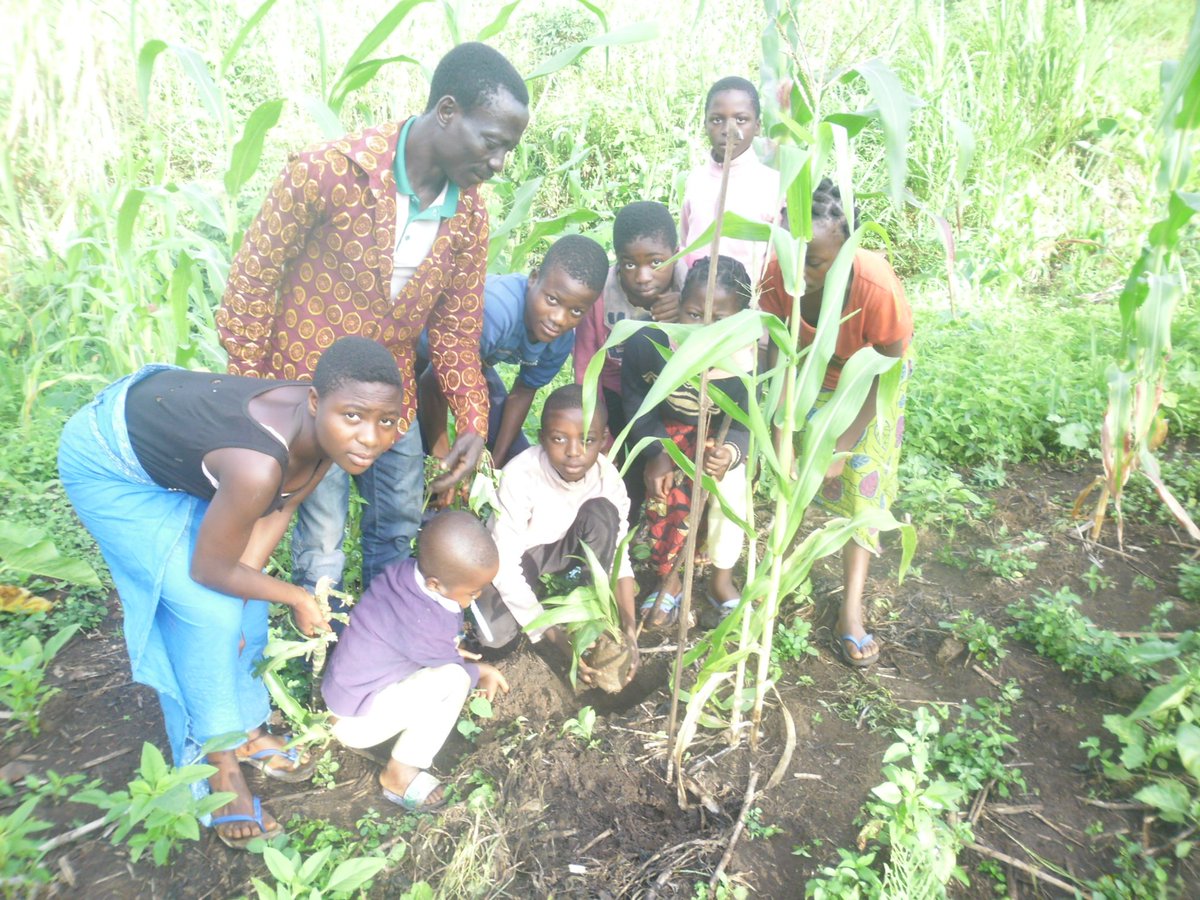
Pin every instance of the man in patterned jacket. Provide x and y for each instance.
(380, 234)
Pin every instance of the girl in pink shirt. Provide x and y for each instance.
(753, 190)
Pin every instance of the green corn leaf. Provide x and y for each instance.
(630, 34)
(177, 294)
(548, 228)
(895, 113)
(243, 33)
(195, 68)
(356, 76)
(145, 70)
(127, 215)
(380, 33)
(1181, 93)
(499, 23)
(318, 110)
(732, 226)
(247, 152)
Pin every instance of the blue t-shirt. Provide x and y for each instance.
(505, 339)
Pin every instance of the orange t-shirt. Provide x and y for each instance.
(878, 310)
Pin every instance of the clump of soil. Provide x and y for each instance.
(611, 659)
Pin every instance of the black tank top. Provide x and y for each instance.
(175, 417)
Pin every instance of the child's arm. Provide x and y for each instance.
(491, 680)
(516, 408)
(590, 335)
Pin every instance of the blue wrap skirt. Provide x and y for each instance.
(184, 640)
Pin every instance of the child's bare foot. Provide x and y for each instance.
(265, 751)
(413, 788)
(257, 822)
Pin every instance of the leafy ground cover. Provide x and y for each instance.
(552, 807)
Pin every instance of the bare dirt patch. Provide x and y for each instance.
(596, 819)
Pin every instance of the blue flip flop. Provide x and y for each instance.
(256, 819)
(857, 662)
(724, 608)
(296, 772)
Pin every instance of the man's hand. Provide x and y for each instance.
(491, 681)
(666, 307)
(716, 459)
(658, 476)
(459, 462)
(309, 618)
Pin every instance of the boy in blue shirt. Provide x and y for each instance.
(528, 320)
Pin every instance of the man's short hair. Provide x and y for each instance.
(355, 359)
(473, 73)
(644, 219)
(581, 258)
(568, 397)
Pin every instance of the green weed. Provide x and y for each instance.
(320, 875)
(157, 810)
(479, 707)
(1013, 559)
(971, 753)
(983, 639)
(1189, 581)
(1059, 631)
(21, 869)
(581, 726)
(22, 672)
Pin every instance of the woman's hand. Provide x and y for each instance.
(658, 476)
(309, 618)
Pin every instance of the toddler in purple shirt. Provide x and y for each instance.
(398, 672)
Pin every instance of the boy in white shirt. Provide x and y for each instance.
(553, 498)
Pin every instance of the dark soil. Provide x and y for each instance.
(596, 819)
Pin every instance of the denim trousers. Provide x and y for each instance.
(393, 491)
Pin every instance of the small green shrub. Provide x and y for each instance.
(1059, 631)
(21, 869)
(1013, 559)
(159, 804)
(22, 672)
(320, 875)
(983, 639)
(1189, 581)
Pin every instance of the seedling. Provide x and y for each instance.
(479, 707)
(582, 726)
(157, 810)
(22, 672)
(983, 639)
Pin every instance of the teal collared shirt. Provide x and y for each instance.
(434, 211)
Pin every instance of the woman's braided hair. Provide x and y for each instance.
(827, 207)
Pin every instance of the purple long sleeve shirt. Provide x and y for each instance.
(395, 630)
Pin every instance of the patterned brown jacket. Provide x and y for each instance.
(316, 265)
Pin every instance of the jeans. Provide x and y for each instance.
(393, 490)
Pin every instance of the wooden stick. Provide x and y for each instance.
(789, 747)
(737, 832)
(1034, 873)
(74, 834)
(980, 800)
(106, 757)
(1108, 804)
(986, 677)
(689, 563)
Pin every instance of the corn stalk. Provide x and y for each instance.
(1132, 427)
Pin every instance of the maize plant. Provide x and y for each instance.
(1133, 429)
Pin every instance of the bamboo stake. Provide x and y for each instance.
(689, 562)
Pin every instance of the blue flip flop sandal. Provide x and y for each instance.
(256, 819)
(857, 662)
(724, 608)
(417, 792)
